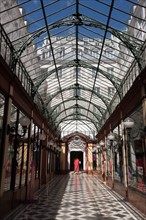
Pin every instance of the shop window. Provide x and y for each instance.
(2, 104)
(35, 154)
(16, 164)
(21, 164)
(48, 161)
(32, 168)
(10, 152)
(139, 159)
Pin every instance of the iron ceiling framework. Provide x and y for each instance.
(73, 52)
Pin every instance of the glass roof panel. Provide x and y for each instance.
(82, 56)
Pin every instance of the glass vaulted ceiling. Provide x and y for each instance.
(82, 56)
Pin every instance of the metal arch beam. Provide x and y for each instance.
(80, 121)
(74, 107)
(16, 54)
(79, 114)
(83, 64)
(133, 46)
(112, 79)
(49, 74)
(100, 109)
(102, 98)
(36, 34)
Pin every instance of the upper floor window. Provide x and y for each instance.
(109, 53)
(110, 70)
(58, 96)
(111, 91)
(59, 108)
(95, 54)
(86, 43)
(60, 73)
(94, 109)
(68, 38)
(47, 54)
(73, 50)
(62, 52)
(94, 73)
(86, 50)
(97, 89)
(58, 39)
(79, 54)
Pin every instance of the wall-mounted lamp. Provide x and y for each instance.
(111, 137)
(97, 147)
(101, 143)
(58, 148)
(24, 122)
(128, 124)
(93, 149)
(50, 143)
(42, 137)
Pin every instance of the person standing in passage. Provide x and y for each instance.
(76, 165)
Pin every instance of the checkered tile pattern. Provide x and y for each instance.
(75, 197)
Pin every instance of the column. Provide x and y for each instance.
(5, 145)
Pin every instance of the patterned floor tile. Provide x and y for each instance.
(75, 197)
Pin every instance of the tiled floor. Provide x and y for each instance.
(75, 197)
